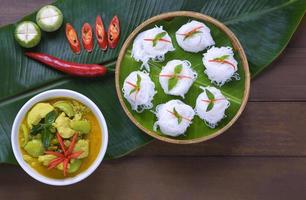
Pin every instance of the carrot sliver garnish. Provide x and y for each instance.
(223, 62)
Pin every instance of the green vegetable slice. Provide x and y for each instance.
(27, 34)
(49, 18)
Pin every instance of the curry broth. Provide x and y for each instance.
(95, 142)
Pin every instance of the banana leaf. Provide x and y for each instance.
(264, 27)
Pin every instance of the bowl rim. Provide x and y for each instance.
(236, 45)
(51, 94)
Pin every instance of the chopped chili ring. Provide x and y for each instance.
(101, 33)
(87, 37)
(113, 32)
(73, 39)
(223, 62)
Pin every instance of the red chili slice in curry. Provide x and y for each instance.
(87, 38)
(101, 33)
(113, 32)
(73, 39)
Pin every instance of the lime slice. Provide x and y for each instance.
(27, 34)
(49, 18)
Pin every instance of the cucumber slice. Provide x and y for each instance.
(27, 34)
(49, 18)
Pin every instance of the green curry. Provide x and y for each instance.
(60, 138)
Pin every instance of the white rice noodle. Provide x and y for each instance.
(197, 42)
(168, 122)
(220, 73)
(186, 77)
(143, 50)
(142, 99)
(217, 113)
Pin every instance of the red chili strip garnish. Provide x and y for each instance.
(189, 33)
(180, 115)
(75, 69)
(223, 62)
(66, 155)
(75, 155)
(101, 33)
(113, 32)
(214, 100)
(72, 144)
(87, 38)
(131, 84)
(73, 39)
(55, 162)
(163, 40)
(172, 75)
(60, 141)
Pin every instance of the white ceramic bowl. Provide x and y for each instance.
(50, 94)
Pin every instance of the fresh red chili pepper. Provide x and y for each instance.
(76, 69)
(113, 32)
(73, 39)
(101, 33)
(87, 38)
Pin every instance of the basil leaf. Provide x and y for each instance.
(50, 117)
(172, 83)
(178, 69)
(46, 137)
(191, 35)
(158, 37)
(222, 58)
(178, 116)
(210, 106)
(209, 95)
(36, 129)
(138, 81)
(133, 90)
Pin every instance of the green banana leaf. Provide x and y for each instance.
(264, 28)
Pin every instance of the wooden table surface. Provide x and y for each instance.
(261, 157)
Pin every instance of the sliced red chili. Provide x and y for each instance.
(113, 32)
(76, 69)
(73, 39)
(101, 33)
(87, 38)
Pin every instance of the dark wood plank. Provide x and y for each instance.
(173, 178)
(13, 10)
(265, 128)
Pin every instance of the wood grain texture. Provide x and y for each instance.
(172, 178)
(261, 157)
